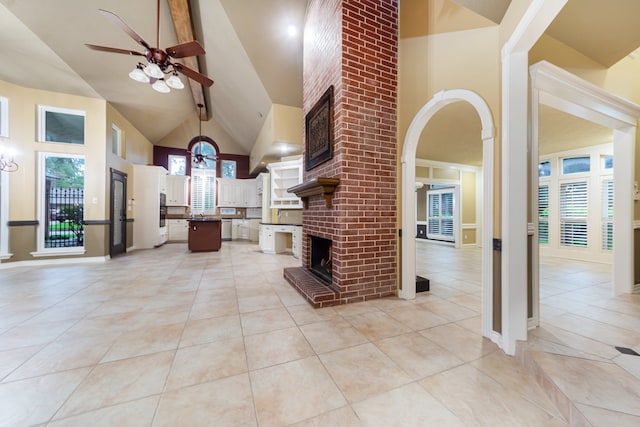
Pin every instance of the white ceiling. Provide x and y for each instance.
(249, 56)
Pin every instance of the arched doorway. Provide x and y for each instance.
(408, 160)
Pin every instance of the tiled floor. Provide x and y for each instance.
(167, 338)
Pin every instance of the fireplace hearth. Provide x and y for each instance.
(321, 264)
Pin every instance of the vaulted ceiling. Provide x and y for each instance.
(249, 55)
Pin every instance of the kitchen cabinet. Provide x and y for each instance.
(254, 226)
(239, 229)
(205, 235)
(275, 238)
(240, 193)
(285, 175)
(178, 230)
(177, 190)
(149, 228)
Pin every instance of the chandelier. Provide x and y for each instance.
(7, 162)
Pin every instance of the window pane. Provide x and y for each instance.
(543, 214)
(204, 155)
(573, 234)
(544, 169)
(64, 202)
(116, 141)
(63, 127)
(228, 169)
(607, 162)
(573, 214)
(576, 165)
(177, 165)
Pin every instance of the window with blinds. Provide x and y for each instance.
(573, 214)
(543, 214)
(440, 215)
(203, 191)
(607, 214)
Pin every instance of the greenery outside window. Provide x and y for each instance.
(61, 125)
(177, 165)
(228, 169)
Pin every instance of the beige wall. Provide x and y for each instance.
(190, 128)
(282, 125)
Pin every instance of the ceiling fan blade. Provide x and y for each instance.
(200, 78)
(192, 48)
(113, 50)
(120, 23)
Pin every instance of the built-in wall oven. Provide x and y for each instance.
(163, 209)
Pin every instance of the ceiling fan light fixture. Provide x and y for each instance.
(152, 70)
(161, 86)
(174, 82)
(138, 75)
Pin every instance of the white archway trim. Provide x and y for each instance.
(567, 92)
(408, 160)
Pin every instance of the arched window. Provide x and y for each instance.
(204, 154)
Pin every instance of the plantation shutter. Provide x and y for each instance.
(447, 214)
(203, 196)
(607, 214)
(573, 214)
(543, 214)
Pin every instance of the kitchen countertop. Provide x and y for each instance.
(204, 219)
(280, 223)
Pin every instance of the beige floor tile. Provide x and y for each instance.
(214, 309)
(131, 414)
(363, 371)
(117, 382)
(377, 325)
(255, 303)
(275, 347)
(144, 341)
(606, 385)
(409, 405)
(473, 324)
(354, 309)
(332, 335)
(629, 363)
(225, 402)
(294, 391)
(574, 341)
(63, 355)
(603, 417)
(343, 417)
(34, 334)
(260, 321)
(305, 314)
(599, 331)
(418, 356)
(210, 330)
(450, 311)
(479, 400)
(417, 317)
(207, 362)
(35, 400)
(463, 343)
(12, 359)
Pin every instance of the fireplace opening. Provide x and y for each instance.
(321, 258)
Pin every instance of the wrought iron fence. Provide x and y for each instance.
(65, 217)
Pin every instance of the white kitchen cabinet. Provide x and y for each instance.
(274, 239)
(178, 230)
(148, 183)
(239, 229)
(267, 244)
(177, 190)
(283, 176)
(239, 193)
(254, 226)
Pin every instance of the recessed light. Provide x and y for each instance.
(292, 30)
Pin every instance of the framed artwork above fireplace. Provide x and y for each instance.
(318, 144)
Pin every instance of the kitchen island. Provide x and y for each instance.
(205, 234)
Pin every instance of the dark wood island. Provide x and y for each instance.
(205, 234)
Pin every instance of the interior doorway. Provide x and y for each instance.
(118, 213)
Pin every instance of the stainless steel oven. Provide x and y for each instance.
(163, 209)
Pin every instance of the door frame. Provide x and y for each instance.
(115, 250)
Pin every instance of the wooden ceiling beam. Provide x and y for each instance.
(181, 16)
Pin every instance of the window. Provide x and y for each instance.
(576, 165)
(544, 169)
(116, 141)
(203, 191)
(607, 162)
(228, 169)
(573, 214)
(440, 214)
(177, 165)
(607, 214)
(4, 117)
(61, 203)
(60, 125)
(543, 214)
(203, 155)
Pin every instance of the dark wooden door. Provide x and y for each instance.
(118, 214)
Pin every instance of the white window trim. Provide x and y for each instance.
(41, 250)
(43, 109)
(119, 133)
(4, 117)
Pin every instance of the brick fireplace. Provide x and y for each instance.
(352, 46)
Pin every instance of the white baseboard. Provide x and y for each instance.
(54, 261)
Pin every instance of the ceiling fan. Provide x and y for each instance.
(201, 150)
(159, 62)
